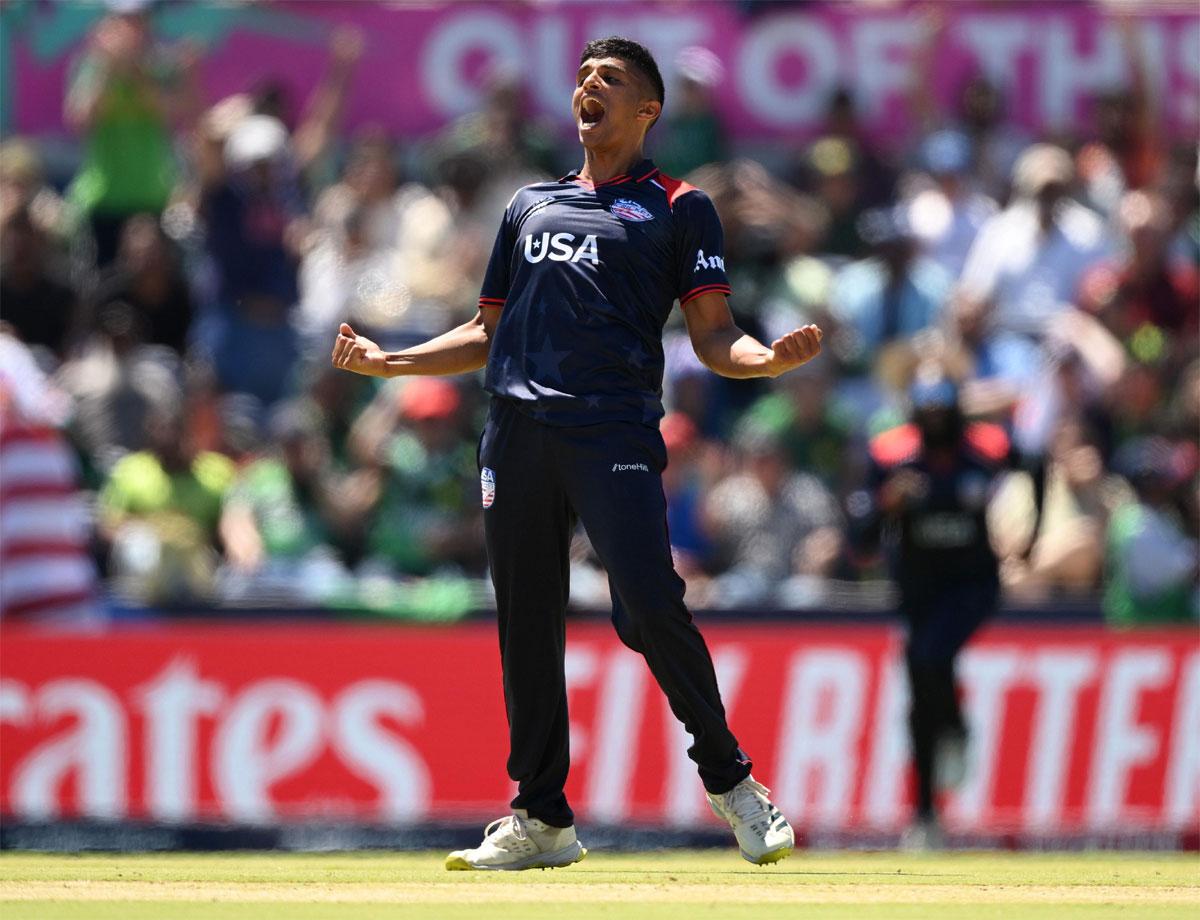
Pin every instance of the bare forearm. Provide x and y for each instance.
(731, 352)
(460, 351)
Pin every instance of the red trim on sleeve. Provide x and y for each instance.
(494, 302)
(705, 289)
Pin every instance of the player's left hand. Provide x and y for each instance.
(797, 347)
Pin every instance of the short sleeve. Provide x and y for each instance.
(700, 249)
(498, 277)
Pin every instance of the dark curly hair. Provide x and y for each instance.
(630, 52)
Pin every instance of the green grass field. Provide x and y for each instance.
(679, 885)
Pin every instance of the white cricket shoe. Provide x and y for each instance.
(520, 842)
(951, 761)
(923, 836)
(763, 834)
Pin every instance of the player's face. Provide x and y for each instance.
(610, 102)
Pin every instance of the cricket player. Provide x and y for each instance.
(925, 502)
(584, 273)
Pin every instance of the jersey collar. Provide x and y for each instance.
(643, 171)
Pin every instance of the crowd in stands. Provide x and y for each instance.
(168, 314)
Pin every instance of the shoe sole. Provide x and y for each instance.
(558, 859)
(772, 856)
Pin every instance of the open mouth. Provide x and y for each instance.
(591, 112)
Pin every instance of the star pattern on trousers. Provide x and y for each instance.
(593, 402)
(547, 362)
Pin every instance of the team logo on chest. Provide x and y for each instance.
(629, 210)
(561, 247)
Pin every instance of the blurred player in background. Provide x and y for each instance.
(583, 276)
(926, 501)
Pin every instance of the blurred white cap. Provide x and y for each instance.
(255, 138)
(699, 65)
(1041, 165)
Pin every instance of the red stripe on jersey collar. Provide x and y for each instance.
(646, 169)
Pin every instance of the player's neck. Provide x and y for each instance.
(602, 165)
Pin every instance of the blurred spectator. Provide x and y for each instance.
(691, 133)
(980, 110)
(946, 213)
(1143, 285)
(446, 238)
(834, 167)
(1080, 497)
(425, 517)
(370, 183)
(503, 132)
(874, 177)
(23, 187)
(355, 271)
(1077, 377)
(148, 277)
(1027, 263)
(770, 522)
(1151, 576)
(40, 306)
(344, 279)
(686, 481)
(895, 293)
(116, 382)
(813, 431)
(254, 231)
(312, 137)
(46, 571)
(1127, 154)
(159, 511)
(285, 517)
(125, 95)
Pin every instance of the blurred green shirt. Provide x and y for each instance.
(129, 164)
(1150, 572)
(290, 526)
(139, 486)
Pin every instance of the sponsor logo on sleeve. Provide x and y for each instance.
(703, 261)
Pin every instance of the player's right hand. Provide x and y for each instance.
(357, 353)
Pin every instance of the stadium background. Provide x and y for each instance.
(239, 660)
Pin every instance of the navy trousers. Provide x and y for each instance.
(538, 481)
(940, 622)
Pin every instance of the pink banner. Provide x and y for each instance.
(1074, 730)
(425, 65)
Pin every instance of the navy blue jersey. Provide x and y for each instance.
(940, 536)
(585, 277)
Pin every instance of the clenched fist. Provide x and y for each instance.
(795, 348)
(357, 353)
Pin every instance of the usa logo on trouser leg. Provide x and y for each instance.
(487, 486)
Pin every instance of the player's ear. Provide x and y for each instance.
(650, 110)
